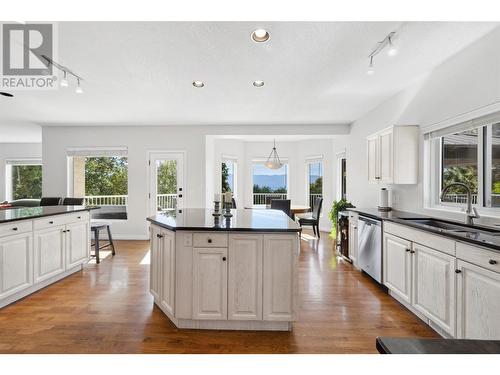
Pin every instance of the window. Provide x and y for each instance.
(228, 172)
(460, 164)
(23, 179)
(468, 153)
(268, 183)
(314, 180)
(102, 178)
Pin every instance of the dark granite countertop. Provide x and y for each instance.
(242, 220)
(26, 213)
(488, 240)
(399, 345)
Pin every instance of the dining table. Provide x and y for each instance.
(294, 208)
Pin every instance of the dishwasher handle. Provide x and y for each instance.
(369, 221)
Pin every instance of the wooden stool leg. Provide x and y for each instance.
(96, 243)
(110, 239)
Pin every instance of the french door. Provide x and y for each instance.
(166, 181)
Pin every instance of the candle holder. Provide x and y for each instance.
(216, 212)
(227, 211)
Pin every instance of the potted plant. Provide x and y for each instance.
(333, 215)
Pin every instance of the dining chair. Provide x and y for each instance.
(281, 204)
(233, 201)
(68, 201)
(313, 220)
(50, 201)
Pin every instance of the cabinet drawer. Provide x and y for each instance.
(209, 240)
(49, 222)
(476, 255)
(16, 227)
(77, 217)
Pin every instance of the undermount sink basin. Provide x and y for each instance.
(446, 226)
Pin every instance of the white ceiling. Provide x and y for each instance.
(140, 73)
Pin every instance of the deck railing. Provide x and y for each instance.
(166, 201)
(106, 200)
(312, 197)
(265, 198)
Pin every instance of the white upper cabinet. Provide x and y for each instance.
(393, 155)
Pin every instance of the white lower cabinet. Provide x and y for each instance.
(478, 302)
(434, 286)
(353, 241)
(396, 266)
(77, 243)
(49, 252)
(155, 263)
(16, 263)
(167, 261)
(245, 277)
(210, 283)
(278, 277)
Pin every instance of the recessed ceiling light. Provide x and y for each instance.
(260, 35)
(198, 84)
(258, 83)
(7, 94)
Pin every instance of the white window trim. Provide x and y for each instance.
(8, 172)
(312, 160)
(433, 165)
(234, 160)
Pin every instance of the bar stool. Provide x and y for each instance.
(96, 226)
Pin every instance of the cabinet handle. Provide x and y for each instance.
(492, 261)
(15, 228)
(78, 217)
(64, 231)
(51, 222)
(209, 240)
(159, 236)
(408, 250)
(377, 178)
(412, 251)
(223, 259)
(458, 271)
(68, 230)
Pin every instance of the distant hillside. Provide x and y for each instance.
(274, 182)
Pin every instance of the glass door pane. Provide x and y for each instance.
(166, 184)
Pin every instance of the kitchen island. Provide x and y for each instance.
(237, 273)
(39, 246)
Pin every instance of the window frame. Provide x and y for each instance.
(433, 156)
(313, 160)
(8, 172)
(261, 161)
(234, 161)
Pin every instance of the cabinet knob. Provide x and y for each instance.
(223, 259)
(412, 251)
(15, 228)
(68, 230)
(78, 217)
(492, 261)
(209, 240)
(458, 271)
(408, 250)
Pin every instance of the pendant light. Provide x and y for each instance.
(273, 161)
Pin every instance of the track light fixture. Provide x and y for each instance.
(66, 71)
(392, 51)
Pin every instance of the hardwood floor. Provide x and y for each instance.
(107, 308)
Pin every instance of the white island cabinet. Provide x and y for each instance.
(39, 246)
(239, 273)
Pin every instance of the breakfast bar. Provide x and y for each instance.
(236, 273)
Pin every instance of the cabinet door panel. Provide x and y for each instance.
(210, 283)
(77, 244)
(353, 243)
(478, 303)
(168, 271)
(155, 264)
(279, 262)
(434, 286)
(16, 257)
(373, 159)
(386, 158)
(245, 277)
(49, 253)
(397, 266)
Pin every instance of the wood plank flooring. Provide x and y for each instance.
(107, 308)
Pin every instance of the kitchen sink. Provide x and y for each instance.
(445, 226)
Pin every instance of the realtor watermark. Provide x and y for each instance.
(26, 51)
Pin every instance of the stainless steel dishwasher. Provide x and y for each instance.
(370, 246)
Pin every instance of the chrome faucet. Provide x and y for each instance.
(470, 212)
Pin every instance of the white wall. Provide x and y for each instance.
(16, 151)
(194, 140)
(468, 81)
